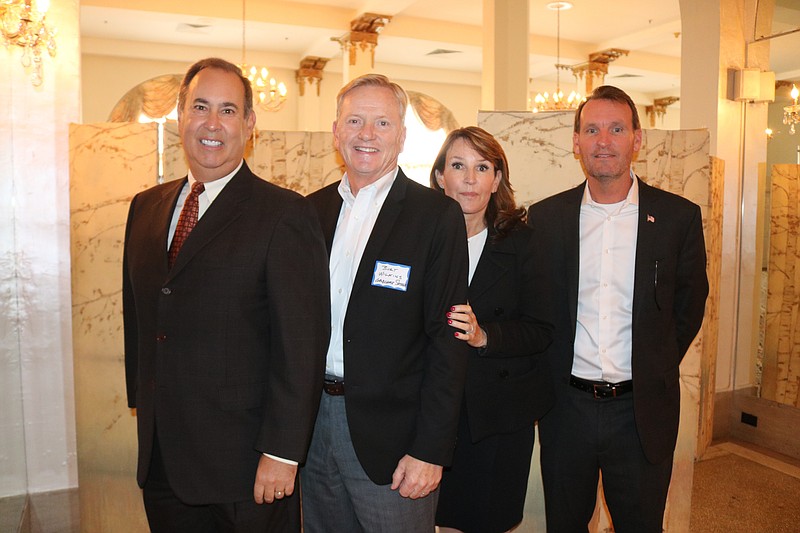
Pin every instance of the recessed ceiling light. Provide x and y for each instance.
(559, 6)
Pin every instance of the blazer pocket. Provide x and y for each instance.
(246, 396)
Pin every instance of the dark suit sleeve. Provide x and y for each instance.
(299, 320)
(524, 334)
(691, 288)
(130, 328)
(445, 356)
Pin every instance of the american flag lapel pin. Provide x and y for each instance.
(651, 218)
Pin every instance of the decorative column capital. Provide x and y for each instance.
(363, 35)
(310, 72)
(596, 68)
(659, 108)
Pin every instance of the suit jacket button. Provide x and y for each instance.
(166, 290)
(503, 374)
(498, 311)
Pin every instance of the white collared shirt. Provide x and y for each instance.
(209, 194)
(603, 335)
(475, 246)
(353, 229)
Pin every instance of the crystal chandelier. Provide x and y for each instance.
(268, 93)
(791, 113)
(23, 25)
(556, 101)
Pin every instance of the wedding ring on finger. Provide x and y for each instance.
(279, 493)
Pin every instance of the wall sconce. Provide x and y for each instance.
(751, 85)
(23, 25)
(791, 113)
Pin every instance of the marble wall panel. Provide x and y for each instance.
(712, 226)
(539, 149)
(300, 161)
(109, 163)
(781, 374)
(297, 160)
(174, 164)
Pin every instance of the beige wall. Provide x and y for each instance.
(106, 79)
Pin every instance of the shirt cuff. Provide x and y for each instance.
(280, 459)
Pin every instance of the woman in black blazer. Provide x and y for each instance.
(508, 385)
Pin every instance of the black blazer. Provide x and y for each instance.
(508, 382)
(225, 352)
(669, 294)
(404, 368)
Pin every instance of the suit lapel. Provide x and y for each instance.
(330, 216)
(490, 268)
(220, 214)
(572, 247)
(161, 218)
(392, 207)
(650, 218)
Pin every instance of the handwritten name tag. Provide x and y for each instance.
(391, 275)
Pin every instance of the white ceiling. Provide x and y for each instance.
(650, 29)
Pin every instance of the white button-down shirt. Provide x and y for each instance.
(603, 336)
(353, 229)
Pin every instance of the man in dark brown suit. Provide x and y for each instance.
(225, 336)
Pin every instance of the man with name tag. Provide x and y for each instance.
(622, 274)
(395, 372)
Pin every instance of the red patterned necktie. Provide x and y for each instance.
(186, 222)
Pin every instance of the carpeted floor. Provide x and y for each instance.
(734, 494)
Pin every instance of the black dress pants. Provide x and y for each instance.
(583, 437)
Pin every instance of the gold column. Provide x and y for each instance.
(504, 79)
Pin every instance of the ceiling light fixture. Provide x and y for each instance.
(268, 93)
(23, 25)
(556, 101)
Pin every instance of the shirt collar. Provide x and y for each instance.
(631, 199)
(213, 188)
(378, 187)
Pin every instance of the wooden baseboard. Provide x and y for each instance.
(741, 415)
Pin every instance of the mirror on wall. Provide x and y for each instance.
(777, 362)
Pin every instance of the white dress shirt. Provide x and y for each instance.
(603, 335)
(475, 246)
(353, 229)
